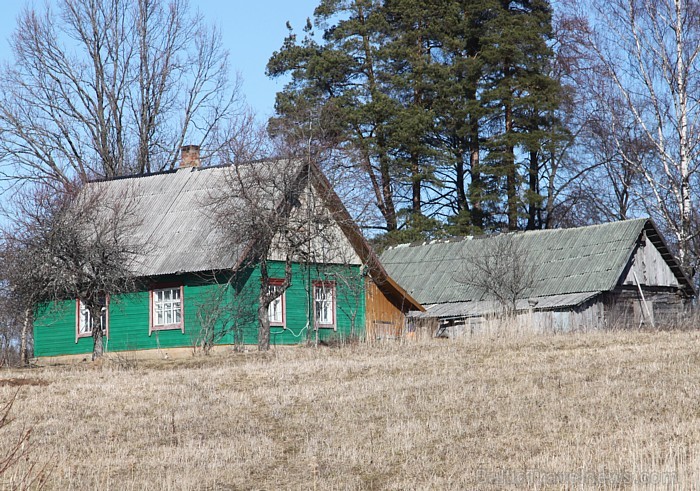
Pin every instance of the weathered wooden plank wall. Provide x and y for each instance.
(649, 268)
(384, 320)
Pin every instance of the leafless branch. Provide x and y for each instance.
(500, 270)
(104, 88)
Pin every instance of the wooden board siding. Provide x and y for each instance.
(332, 246)
(384, 319)
(650, 268)
(619, 309)
(54, 328)
(589, 315)
(350, 303)
(625, 309)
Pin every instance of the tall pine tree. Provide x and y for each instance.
(521, 97)
(345, 72)
(447, 106)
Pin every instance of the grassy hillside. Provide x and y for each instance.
(608, 410)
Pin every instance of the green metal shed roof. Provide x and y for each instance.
(563, 261)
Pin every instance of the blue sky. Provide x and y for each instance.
(251, 31)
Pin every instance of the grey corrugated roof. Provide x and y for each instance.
(171, 214)
(565, 261)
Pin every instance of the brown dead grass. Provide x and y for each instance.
(615, 410)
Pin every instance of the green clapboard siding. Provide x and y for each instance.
(55, 324)
(350, 303)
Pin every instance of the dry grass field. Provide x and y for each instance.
(615, 410)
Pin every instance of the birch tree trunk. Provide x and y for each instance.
(647, 52)
(681, 105)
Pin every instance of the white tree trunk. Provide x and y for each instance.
(649, 53)
(684, 141)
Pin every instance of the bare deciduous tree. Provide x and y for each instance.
(16, 309)
(10, 333)
(102, 88)
(225, 311)
(255, 213)
(71, 245)
(500, 270)
(647, 53)
(272, 210)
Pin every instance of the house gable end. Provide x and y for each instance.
(654, 264)
(647, 267)
(328, 243)
(396, 293)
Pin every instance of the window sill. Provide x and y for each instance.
(169, 327)
(89, 336)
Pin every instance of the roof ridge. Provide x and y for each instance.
(461, 238)
(191, 169)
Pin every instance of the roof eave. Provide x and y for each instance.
(658, 241)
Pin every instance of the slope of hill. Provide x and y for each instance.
(592, 410)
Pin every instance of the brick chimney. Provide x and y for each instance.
(190, 156)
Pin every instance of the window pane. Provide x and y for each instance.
(275, 310)
(84, 320)
(325, 312)
(324, 304)
(167, 306)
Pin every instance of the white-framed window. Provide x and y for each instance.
(83, 320)
(276, 310)
(167, 309)
(324, 304)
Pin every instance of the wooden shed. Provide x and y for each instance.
(618, 274)
(387, 306)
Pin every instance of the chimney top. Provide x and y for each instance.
(190, 156)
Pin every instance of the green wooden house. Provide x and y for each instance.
(193, 278)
